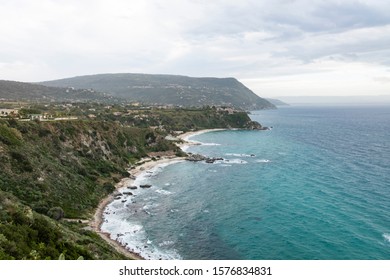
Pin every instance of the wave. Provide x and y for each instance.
(235, 161)
(198, 143)
(263, 160)
(121, 223)
(132, 235)
(240, 155)
(386, 236)
(164, 192)
(145, 175)
(187, 138)
(166, 243)
(210, 144)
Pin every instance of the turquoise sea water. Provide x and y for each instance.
(316, 186)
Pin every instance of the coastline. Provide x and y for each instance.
(142, 166)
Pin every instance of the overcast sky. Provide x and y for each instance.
(276, 48)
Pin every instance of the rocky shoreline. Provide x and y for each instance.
(128, 184)
(198, 157)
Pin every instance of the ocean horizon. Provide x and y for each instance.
(315, 186)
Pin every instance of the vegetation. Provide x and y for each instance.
(277, 102)
(69, 164)
(52, 171)
(170, 90)
(18, 91)
(25, 234)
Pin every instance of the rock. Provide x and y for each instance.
(253, 125)
(196, 157)
(118, 196)
(212, 160)
(146, 186)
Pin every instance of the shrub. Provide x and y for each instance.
(22, 161)
(56, 213)
(108, 188)
(9, 136)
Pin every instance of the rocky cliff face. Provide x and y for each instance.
(71, 165)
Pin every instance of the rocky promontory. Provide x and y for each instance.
(197, 157)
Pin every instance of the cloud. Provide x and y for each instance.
(252, 40)
(382, 79)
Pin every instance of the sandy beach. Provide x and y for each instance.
(143, 166)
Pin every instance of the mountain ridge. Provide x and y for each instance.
(163, 89)
(22, 91)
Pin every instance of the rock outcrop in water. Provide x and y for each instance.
(253, 125)
(197, 157)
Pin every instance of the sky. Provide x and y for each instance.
(276, 48)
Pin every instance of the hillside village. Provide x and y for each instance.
(133, 113)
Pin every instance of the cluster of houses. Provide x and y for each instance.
(14, 113)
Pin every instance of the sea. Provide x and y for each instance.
(314, 186)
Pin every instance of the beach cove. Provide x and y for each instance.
(143, 168)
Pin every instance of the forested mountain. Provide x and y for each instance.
(170, 90)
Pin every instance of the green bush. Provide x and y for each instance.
(56, 213)
(10, 136)
(21, 161)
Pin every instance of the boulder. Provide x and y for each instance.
(196, 157)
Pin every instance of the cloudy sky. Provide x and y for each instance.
(277, 48)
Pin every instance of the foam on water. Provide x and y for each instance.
(386, 236)
(163, 192)
(131, 234)
(240, 155)
(146, 175)
(210, 144)
(263, 160)
(121, 222)
(235, 161)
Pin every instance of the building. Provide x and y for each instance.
(9, 112)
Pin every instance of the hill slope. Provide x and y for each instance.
(277, 102)
(170, 89)
(11, 90)
(51, 170)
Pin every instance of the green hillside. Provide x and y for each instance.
(19, 91)
(277, 102)
(51, 171)
(170, 90)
